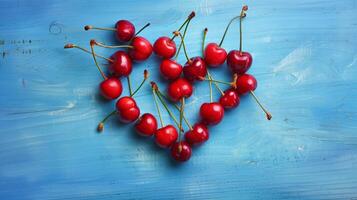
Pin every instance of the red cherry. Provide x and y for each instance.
(166, 136)
(127, 109)
(180, 88)
(195, 69)
(246, 83)
(111, 88)
(211, 113)
(121, 65)
(165, 47)
(214, 55)
(239, 62)
(125, 103)
(181, 151)
(170, 69)
(197, 135)
(125, 30)
(141, 50)
(146, 125)
(230, 99)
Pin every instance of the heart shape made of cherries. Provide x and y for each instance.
(180, 80)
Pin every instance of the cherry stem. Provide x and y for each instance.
(101, 124)
(241, 16)
(168, 110)
(215, 84)
(129, 85)
(204, 40)
(68, 46)
(157, 106)
(181, 116)
(112, 46)
(268, 115)
(192, 14)
(184, 35)
(146, 75)
(95, 60)
(217, 81)
(88, 27)
(144, 27)
(210, 88)
(177, 108)
(183, 44)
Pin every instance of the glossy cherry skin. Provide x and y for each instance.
(125, 30)
(170, 69)
(211, 113)
(195, 69)
(127, 109)
(121, 65)
(111, 88)
(165, 47)
(239, 62)
(230, 99)
(198, 135)
(179, 88)
(166, 136)
(146, 125)
(214, 55)
(245, 84)
(181, 151)
(141, 50)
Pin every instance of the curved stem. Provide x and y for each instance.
(157, 107)
(112, 46)
(96, 63)
(68, 46)
(88, 27)
(183, 44)
(267, 113)
(184, 35)
(192, 14)
(227, 27)
(129, 85)
(141, 84)
(101, 124)
(215, 84)
(144, 27)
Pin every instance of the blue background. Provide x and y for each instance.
(305, 62)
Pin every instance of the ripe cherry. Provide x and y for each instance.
(166, 136)
(181, 151)
(178, 89)
(229, 99)
(141, 50)
(170, 69)
(165, 47)
(197, 135)
(211, 113)
(127, 109)
(146, 125)
(111, 88)
(125, 30)
(121, 64)
(214, 55)
(195, 69)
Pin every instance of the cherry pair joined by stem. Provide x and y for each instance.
(127, 109)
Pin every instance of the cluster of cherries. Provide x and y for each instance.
(180, 83)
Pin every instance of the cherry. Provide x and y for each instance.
(195, 69)
(238, 61)
(125, 30)
(166, 136)
(127, 109)
(165, 47)
(141, 50)
(197, 135)
(146, 125)
(211, 113)
(181, 151)
(246, 83)
(121, 64)
(170, 69)
(214, 55)
(229, 99)
(111, 88)
(180, 88)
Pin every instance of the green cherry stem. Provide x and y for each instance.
(129, 85)
(192, 14)
(267, 113)
(69, 46)
(101, 124)
(204, 40)
(183, 44)
(88, 27)
(184, 35)
(241, 16)
(95, 59)
(181, 116)
(146, 75)
(157, 105)
(144, 27)
(111, 46)
(215, 84)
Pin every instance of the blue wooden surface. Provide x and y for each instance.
(304, 59)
